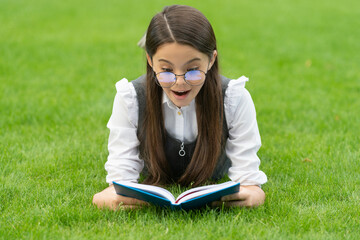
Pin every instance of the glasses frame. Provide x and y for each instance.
(178, 75)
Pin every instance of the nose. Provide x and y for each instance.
(180, 79)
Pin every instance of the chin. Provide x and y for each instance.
(181, 104)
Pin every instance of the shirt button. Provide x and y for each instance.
(179, 113)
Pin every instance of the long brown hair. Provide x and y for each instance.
(183, 25)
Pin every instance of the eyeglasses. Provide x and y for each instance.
(168, 79)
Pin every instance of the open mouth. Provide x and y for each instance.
(181, 93)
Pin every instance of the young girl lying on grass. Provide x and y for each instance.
(183, 122)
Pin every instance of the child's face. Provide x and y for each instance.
(179, 59)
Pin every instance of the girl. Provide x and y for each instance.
(182, 122)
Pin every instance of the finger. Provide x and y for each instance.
(241, 195)
(131, 201)
(234, 197)
(216, 204)
(128, 207)
(125, 200)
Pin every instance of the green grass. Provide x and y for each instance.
(59, 62)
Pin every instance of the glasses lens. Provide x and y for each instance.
(166, 78)
(195, 77)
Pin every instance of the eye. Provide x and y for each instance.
(167, 69)
(193, 69)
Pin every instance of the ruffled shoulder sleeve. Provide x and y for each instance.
(233, 94)
(126, 96)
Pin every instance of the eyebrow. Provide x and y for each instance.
(192, 60)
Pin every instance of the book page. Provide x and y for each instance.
(199, 191)
(158, 191)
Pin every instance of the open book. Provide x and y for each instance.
(190, 199)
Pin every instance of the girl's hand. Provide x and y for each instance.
(248, 196)
(108, 198)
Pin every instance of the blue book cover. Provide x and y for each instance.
(191, 199)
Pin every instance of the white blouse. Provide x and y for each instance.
(124, 164)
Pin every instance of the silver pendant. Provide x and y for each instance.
(182, 151)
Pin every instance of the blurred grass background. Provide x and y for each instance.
(59, 61)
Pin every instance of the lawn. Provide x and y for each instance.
(59, 61)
